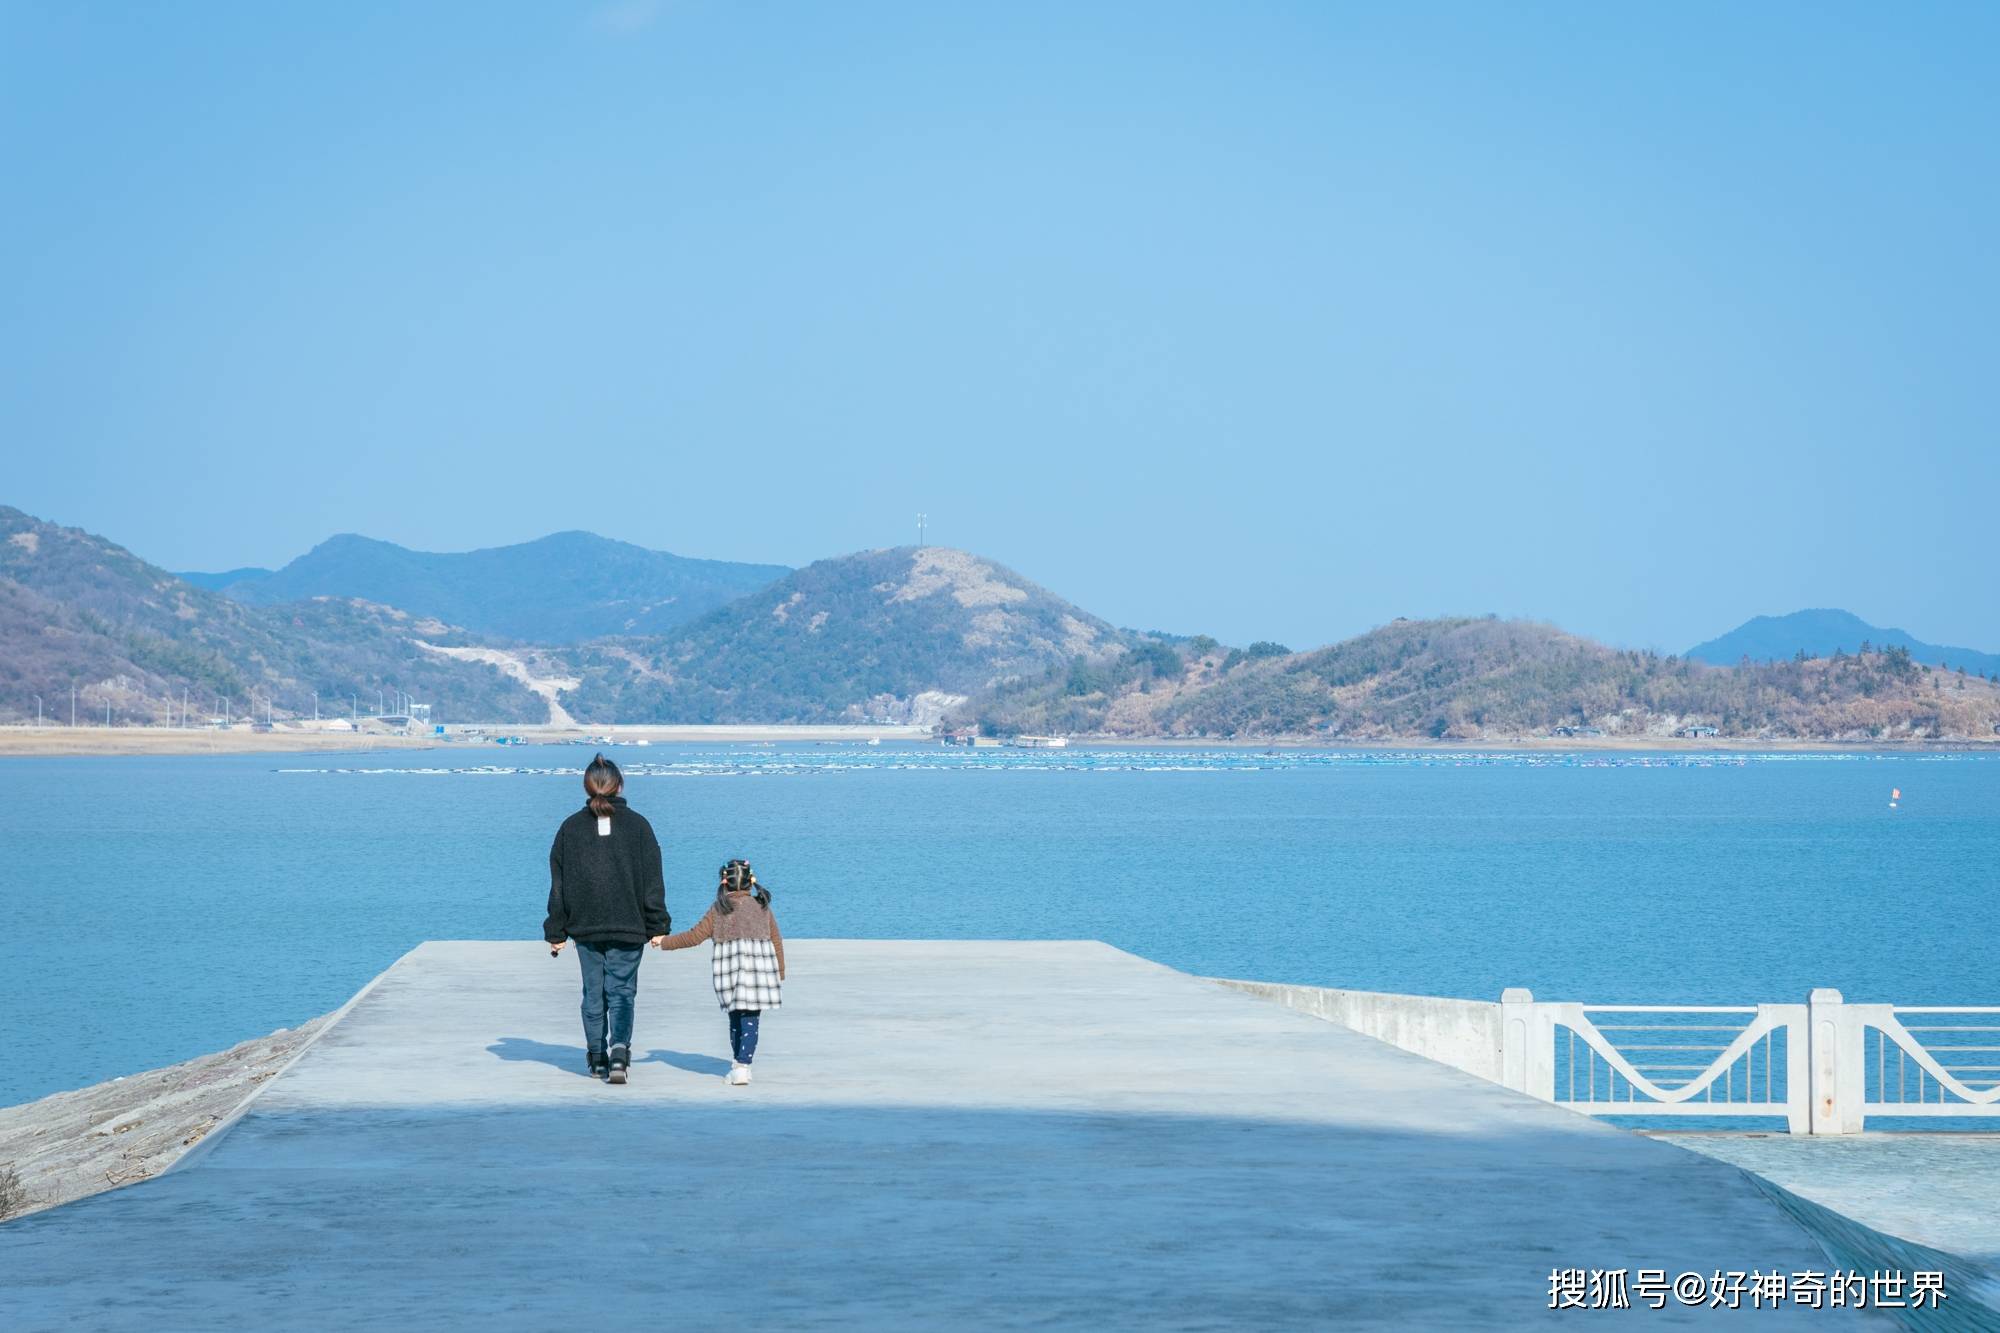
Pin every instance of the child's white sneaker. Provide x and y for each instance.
(739, 1075)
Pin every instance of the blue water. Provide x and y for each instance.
(165, 907)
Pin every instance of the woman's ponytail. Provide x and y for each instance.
(601, 782)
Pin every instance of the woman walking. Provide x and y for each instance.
(607, 893)
(748, 960)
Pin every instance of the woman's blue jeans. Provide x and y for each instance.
(610, 984)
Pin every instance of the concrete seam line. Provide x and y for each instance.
(228, 1122)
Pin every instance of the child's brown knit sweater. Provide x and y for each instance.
(747, 919)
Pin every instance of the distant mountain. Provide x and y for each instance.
(561, 589)
(220, 581)
(1485, 679)
(77, 610)
(1820, 632)
(899, 634)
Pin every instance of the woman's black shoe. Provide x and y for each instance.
(618, 1063)
(599, 1064)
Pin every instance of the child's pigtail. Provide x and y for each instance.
(738, 877)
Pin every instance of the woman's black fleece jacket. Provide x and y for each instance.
(606, 889)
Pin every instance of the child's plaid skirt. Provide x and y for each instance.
(746, 974)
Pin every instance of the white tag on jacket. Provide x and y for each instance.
(604, 826)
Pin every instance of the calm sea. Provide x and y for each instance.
(165, 907)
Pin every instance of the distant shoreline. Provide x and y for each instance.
(1577, 744)
(80, 741)
(57, 742)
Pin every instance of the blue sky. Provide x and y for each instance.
(1263, 320)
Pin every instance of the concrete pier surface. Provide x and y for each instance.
(940, 1134)
(1937, 1189)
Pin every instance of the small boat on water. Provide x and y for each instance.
(1040, 742)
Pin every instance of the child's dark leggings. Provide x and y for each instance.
(743, 1034)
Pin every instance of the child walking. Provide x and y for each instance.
(749, 958)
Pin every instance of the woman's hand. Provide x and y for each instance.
(658, 942)
(557, 947)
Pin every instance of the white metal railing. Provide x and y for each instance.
(1825, 1065)
(1951, 1069)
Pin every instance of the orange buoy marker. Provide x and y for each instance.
(1895, 795)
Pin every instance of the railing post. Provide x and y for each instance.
(1838, 1078)
(1798, 1065)
(1527, 1045)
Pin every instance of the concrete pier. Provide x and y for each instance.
(971, 1134)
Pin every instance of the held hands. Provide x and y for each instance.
(658, 942)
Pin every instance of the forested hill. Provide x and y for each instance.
(77, 610)
(560, 589)
(902, 633)
(1489, 679)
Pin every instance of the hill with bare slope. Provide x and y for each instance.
(77, 610)
(897, 634)
(1488, 679)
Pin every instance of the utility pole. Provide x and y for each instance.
(72, 705)
(184, 708)
(38, 712)
(315, 705)
(378, 703)
(920, 530)
(107, 715)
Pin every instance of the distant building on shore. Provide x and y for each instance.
(1697, 731)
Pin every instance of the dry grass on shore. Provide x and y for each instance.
(14, 1196)
(74, 1144)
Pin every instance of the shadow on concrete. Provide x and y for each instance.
(688, 1060)
(569, 1059)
